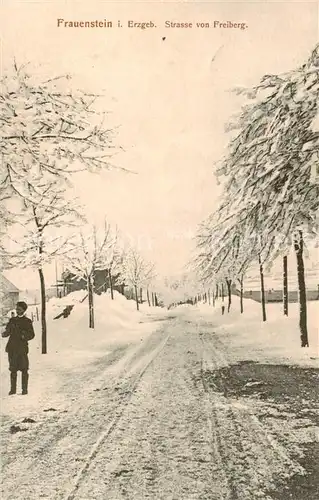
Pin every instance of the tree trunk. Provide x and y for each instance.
(141, 295)
(106, 280)
(148, 297)
(213, 299)
(285, 284)
(298, 244)
(217, 291)
(56, 279)
(223, 292)
(241, 281)
(44, 348)
(209, 297)
(228, 282)
(91, 302)
(111, 284)
(262, 285)
(155, 298)
(153, 301)
(136, 298)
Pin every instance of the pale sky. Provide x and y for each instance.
(168, 97)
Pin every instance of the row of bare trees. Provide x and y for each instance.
(95, 248)
(48, 134)
(269, 200)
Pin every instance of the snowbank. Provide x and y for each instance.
(73, 346)
(275, 341)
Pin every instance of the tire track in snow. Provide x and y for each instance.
(213, 420)
(115, 358)
(252, 458)
(53, 448)
(102, 438)
(44, 438)
(167, 430)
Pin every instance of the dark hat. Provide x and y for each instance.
(23, 305)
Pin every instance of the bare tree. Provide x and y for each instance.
(86, 255)
(225, 251)
(136, 271)
(48, 132)
(268, 184)
(37, 242)
(299, 247)
(285, 284)
(112, 257)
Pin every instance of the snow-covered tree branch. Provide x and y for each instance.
(136, 271)
(92, 249)
(269, 195)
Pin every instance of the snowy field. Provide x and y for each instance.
(72, 347)
(275, 341)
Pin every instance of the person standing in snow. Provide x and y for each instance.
(19, 330)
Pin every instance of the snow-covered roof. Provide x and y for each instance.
(7, 286)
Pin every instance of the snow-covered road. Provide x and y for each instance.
(147, 422)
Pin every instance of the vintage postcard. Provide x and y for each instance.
(159, 250)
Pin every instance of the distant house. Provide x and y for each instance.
(275, 294)
(9, 295)
(70, 283)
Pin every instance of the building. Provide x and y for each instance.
(70, 283)
(273, 280)
(9, 295)
(274, 291)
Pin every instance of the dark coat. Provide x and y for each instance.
(20, 331)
